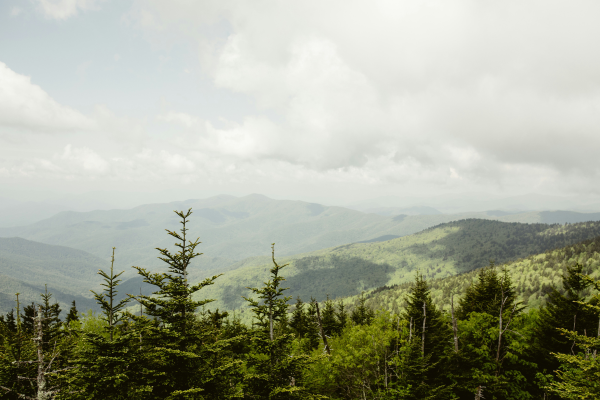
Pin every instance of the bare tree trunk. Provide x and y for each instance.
(410, 330)
(271, 322)
(454, 327)
(479, 394)
(327, 349)
(42, 394)
(424, 321)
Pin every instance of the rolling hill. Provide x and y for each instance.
(231, 229)
(26, 266)
(442, 251)
(532, 277)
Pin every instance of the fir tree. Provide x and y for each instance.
(330, 323)
(362, 314)
(563, 310)
(274, 373)
(176, 349)
(73, 315)
(428, 328)
(341, 316)
(111, 310)
(488, 294)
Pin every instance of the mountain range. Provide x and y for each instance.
(364, 250)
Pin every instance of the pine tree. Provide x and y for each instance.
(563, 311)
(362, 314)
(112, 314)
(578, 373)
(178, 349)
(428, 324)
(51, 323)
(330, 323)
(488, 294)
(72, 316)
(106, 367)
(298, 322)
(429, 329)
(341, 316)
(274, 373)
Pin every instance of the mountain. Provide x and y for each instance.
(479, 202)
(230, 228)
(17, 213)
(417, 210)
(445, 250)
(26, 266)
(531, 276)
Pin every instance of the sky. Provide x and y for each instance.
(332, 100)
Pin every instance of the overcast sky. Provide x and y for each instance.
(300, 99)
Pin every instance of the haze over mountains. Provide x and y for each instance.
(66, 250)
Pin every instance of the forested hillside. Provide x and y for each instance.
(442, 251)
(488, 345)
(532, 277)
(27, 266)
(233, 229)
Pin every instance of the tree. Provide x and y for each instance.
(330, 323)
(563, 310)
(488, 294)
(579, 372)
(106, 367)
(362, 314)
(274, 372)
(428, 324)
(72, 316)
(106, 300)
(178, 348)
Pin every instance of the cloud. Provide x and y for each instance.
(83, 160)
(64, 9)
(477, 90)
(26, 106)
(15, 11)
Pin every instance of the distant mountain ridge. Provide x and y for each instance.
(230, 228)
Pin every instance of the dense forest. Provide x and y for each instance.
(477, 336)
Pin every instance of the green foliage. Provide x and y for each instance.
(489, 294)
(564, 310)
(579, 373)
(273, 371)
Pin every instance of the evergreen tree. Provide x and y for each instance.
(563, 310)
(51, 323)
(428, 324)
(579, 372)
(9, 321)
(27, 318)
(106, 367)
(341, 316)
(298, 322)
(73, 315)
(330, 323)
(274, 373)
(488, 294)
(111, 311)
(427, 327)
(177, 351)
(362, 314)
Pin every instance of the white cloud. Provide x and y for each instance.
(15, 11)
(24, 105)
(84, 161)
(504, 85)
(64, 9)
